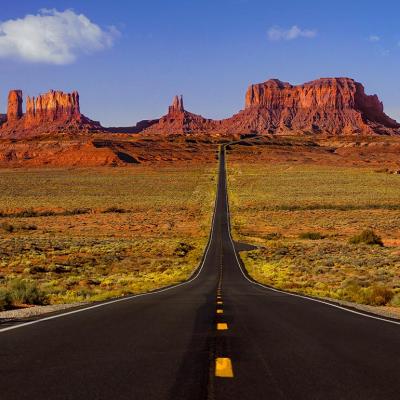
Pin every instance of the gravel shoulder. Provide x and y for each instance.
(384, 311)
(35, 311)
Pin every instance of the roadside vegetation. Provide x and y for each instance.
(323, 231)
(87, 235)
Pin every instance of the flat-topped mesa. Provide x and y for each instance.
(53, 106)
(331, 105)
(14, 107)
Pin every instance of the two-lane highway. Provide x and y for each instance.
(218, 336)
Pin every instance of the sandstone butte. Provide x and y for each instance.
(51, 112)
(331, 106)
(180, 121)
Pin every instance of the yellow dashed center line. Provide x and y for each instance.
(223, 367)
(222, 326)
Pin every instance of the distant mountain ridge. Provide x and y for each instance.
(332, 106)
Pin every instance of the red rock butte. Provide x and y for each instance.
(14, 109)
(333, 106)
(54, 111)
(180, 121)
(52, 106)
(330, 106)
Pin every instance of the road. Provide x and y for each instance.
(165, 345)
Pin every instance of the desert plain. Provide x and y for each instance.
(89, 213)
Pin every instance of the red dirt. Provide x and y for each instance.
(327, 120)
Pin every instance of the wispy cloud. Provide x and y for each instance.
(374, 38)
(53, 37)
(276, 33)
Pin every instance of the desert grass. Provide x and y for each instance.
(310, 222)
(87, 235)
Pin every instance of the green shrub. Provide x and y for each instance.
(273, 236)
(367, 236)
(183, 249)
(47, 213)
(37, 269)
(377, 296)
(26, 213)
(76, 211)
(311, 236)
(29, 227)
(5, 299)
(26, 292)
(395, 300)
(7, 227)
(114, 209)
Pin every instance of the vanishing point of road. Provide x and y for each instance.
(217, 336)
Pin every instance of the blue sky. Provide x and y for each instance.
(136, 55)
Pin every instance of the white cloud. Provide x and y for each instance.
(374, 38)
(277, 33)
(53, 37)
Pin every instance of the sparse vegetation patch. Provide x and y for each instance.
(94, 235)
(311, 235)
(367, 236)
(339, 229)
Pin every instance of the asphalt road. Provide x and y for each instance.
(165, 345)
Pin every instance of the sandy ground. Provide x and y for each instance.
(384, 311)
(35, 310)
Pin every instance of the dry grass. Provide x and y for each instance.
(141, 229)
(304, 218)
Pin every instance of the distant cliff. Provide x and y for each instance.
(329, 105)
(180, 121)
(52, 112)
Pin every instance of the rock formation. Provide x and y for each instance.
(332, 106)
(177, 106)
(52, 112)
(52, 106)
(139, 127)
(14, 108)
(179, 121)
(329, 105)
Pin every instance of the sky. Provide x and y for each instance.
(128, 59)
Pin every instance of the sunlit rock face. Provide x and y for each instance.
(52, 106)
(179, 121)
(329, 105)
(52, 112)
(14, 106)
